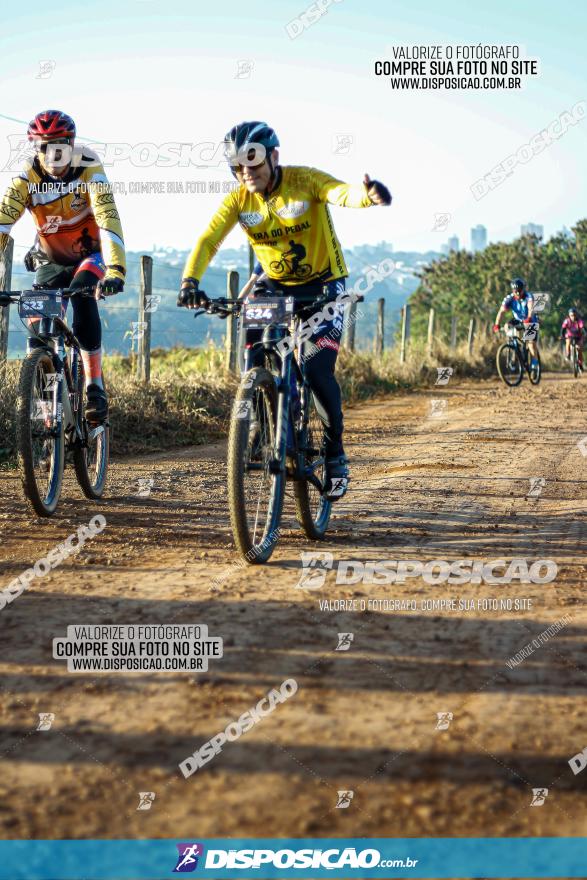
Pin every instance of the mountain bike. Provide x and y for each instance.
(50, 423)
(574, 357)
(275, 433)
(513, 357)
(301, 271)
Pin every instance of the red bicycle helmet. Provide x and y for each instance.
(50, 125)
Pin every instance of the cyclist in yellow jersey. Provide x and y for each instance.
(79, 239)
(284, 213)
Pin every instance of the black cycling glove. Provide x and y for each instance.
(381, 190)
(110, 286)
(190, 295)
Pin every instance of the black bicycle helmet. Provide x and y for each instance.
(242, 142)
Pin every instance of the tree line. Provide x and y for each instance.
(472, 285)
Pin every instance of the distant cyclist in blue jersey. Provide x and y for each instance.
(256, 275)
(520, 302)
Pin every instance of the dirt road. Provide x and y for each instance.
(364, 719)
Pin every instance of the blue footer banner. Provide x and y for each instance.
(304, 858)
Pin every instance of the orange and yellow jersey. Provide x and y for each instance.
(74, 215)
(290, 230)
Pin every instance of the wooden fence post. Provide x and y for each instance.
(230, 346)
(351, 323)
(5, 283)
(430, 338)
(453, 332)
(406, 314)
(471, 336)
(144, 323)
(380, 331)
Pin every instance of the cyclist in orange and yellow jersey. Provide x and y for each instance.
(79, 239)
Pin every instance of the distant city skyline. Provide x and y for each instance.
(532, 229)
(478, 238)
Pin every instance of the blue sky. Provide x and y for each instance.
(146, 72)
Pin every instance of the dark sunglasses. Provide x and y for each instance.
(239, 169)
(44, 146)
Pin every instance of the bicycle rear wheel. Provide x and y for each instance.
(509, 365)
(90, 454)
(312, 509)
(39, 438)
(255, 487)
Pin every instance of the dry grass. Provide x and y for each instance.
(190, 395)
(362, 375)
(8, 390)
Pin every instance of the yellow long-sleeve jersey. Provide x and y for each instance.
(74, 215)
(291, 230)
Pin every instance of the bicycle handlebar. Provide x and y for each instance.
(224, 307)
(220, 306)
(13, 296)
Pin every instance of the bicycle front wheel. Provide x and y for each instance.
(256, 483)
(575, 361)
(535, 372)
(277, 266)
(91, 451)
(39, 437)
(509, 365)
(312, 509)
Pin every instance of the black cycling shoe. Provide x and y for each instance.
(96, 405)
(337, 478)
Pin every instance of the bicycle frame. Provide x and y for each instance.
(55, 336)
(281, 367)
(521, 347)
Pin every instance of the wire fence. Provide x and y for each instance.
(373, 325)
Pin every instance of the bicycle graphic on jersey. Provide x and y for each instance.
(293, 266)
(85, 245)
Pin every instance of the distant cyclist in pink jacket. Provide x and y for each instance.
(573, 328)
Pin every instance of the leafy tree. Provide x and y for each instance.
(472, 285)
